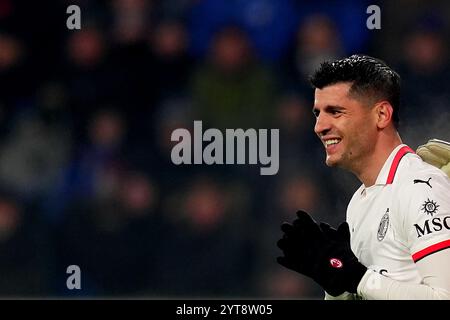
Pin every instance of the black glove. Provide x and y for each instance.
(321, 253)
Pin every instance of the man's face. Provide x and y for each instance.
(345, 126)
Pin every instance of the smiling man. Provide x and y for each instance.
(396, 241)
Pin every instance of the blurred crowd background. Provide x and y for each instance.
(85, 121)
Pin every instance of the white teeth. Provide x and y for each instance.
(331, 141)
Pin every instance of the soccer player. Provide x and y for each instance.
(395, 243)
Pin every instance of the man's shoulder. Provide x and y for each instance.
(414, 183)
(414, 173)
(419, 184)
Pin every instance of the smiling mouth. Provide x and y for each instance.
(331, 142)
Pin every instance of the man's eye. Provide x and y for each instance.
(335, 112)
(316, 113)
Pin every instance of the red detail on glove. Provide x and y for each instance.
(336, 263)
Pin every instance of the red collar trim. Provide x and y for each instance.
(400, 153)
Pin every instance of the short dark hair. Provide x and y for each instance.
(370, 77)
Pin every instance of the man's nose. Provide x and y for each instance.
(322, 125)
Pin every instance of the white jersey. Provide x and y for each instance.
(401, 219)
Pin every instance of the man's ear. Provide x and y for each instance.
(384, 111)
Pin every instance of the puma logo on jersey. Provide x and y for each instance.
(423, 181)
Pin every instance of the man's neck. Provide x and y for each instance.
(369, 172)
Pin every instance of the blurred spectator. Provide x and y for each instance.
(119, 229)
(87, 74)
(15, 83)
(298, 193)
(318, 39)
(172, 65)
(174, 113)
(173, 9)
(296, 122)
(35, 150)
(11, 52)
(86, 48)
(231, 90)
(130, 60)
(25, 257)
(424, 85)
(297, 190)
(270, 24)
(152, 73)
(131, 20)
(349, 17)
(146, 71)
(93, 162)
(206, 244)
(278, 283)
(400, 23)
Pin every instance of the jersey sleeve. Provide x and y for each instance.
(435, 285)
(427, 220)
